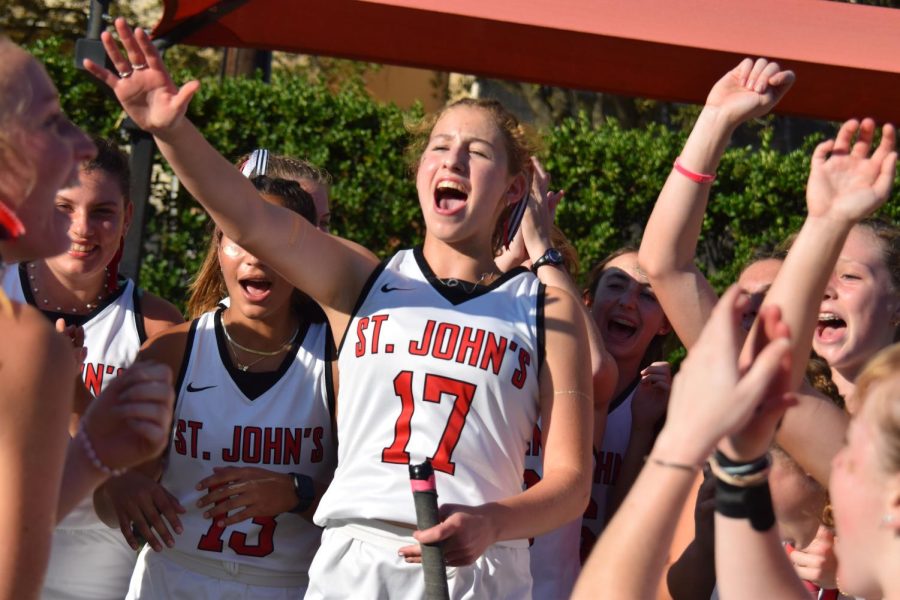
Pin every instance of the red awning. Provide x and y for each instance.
(847, 57)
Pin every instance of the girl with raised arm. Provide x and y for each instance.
(441, 357)
(845, 186)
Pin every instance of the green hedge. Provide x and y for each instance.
(611, 175)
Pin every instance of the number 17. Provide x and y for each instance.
(435, 387)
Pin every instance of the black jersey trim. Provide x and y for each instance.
(363, 294)
(188, 351)
(541, 329)
(69, 318)
(457, 294)
(330, 396)
(618, 400)
(137, 296)
(255, 384)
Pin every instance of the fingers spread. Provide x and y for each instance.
(845, 136)
(864, 139)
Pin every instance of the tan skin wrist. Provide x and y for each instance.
(680, 448)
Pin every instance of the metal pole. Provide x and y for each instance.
(141, 162)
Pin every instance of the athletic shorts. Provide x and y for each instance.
(176, 575)
(359, 559)
(88, 564)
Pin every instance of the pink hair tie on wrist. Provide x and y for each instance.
(695, 177)
(88, 448)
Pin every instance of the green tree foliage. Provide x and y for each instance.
(611, 174)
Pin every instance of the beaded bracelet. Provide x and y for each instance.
(82, 436)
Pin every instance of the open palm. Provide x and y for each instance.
(844, 181)
(143, 85)
(750, 90)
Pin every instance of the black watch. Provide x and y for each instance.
(552, 257)
(306, 493)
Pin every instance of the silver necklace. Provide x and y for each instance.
(285, 345)
(45, 302)
(243, 368)
(453, 282)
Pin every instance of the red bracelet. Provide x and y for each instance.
(696, 177)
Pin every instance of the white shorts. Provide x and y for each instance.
(88, 564)
(358, 559)
(173, 574)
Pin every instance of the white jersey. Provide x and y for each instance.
(555, 559)
(607, 467)
(287, 428)
(113, 332)
(434, 372)
(87, 558)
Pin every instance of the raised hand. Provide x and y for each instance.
(143, 85)
(845, 182)
(534, 235)
(130, 420)
(750, 90)
(712, 396)
(754, 437)
(240, 493)
(538, 220)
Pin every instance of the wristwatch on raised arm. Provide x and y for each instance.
(552, 257)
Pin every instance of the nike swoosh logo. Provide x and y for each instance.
(386, 288)
(191, 387)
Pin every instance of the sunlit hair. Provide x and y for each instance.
(281, 166)
(560, 241)
(818, 374)
(660, 344)
(883, 370)
(888, 236)
(17, 176)
(114, 162)
(519, 140)
(208, 287)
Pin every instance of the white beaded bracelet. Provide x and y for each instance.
(92, 455)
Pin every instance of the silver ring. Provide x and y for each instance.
(139, 67)
(125, 74)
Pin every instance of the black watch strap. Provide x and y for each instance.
(551, 257)
(305, 491)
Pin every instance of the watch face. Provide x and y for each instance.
(554, 256)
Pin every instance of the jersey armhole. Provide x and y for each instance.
(330, 358)
(363, 294)
(137, 294)
(186, 358)
(539, 323)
